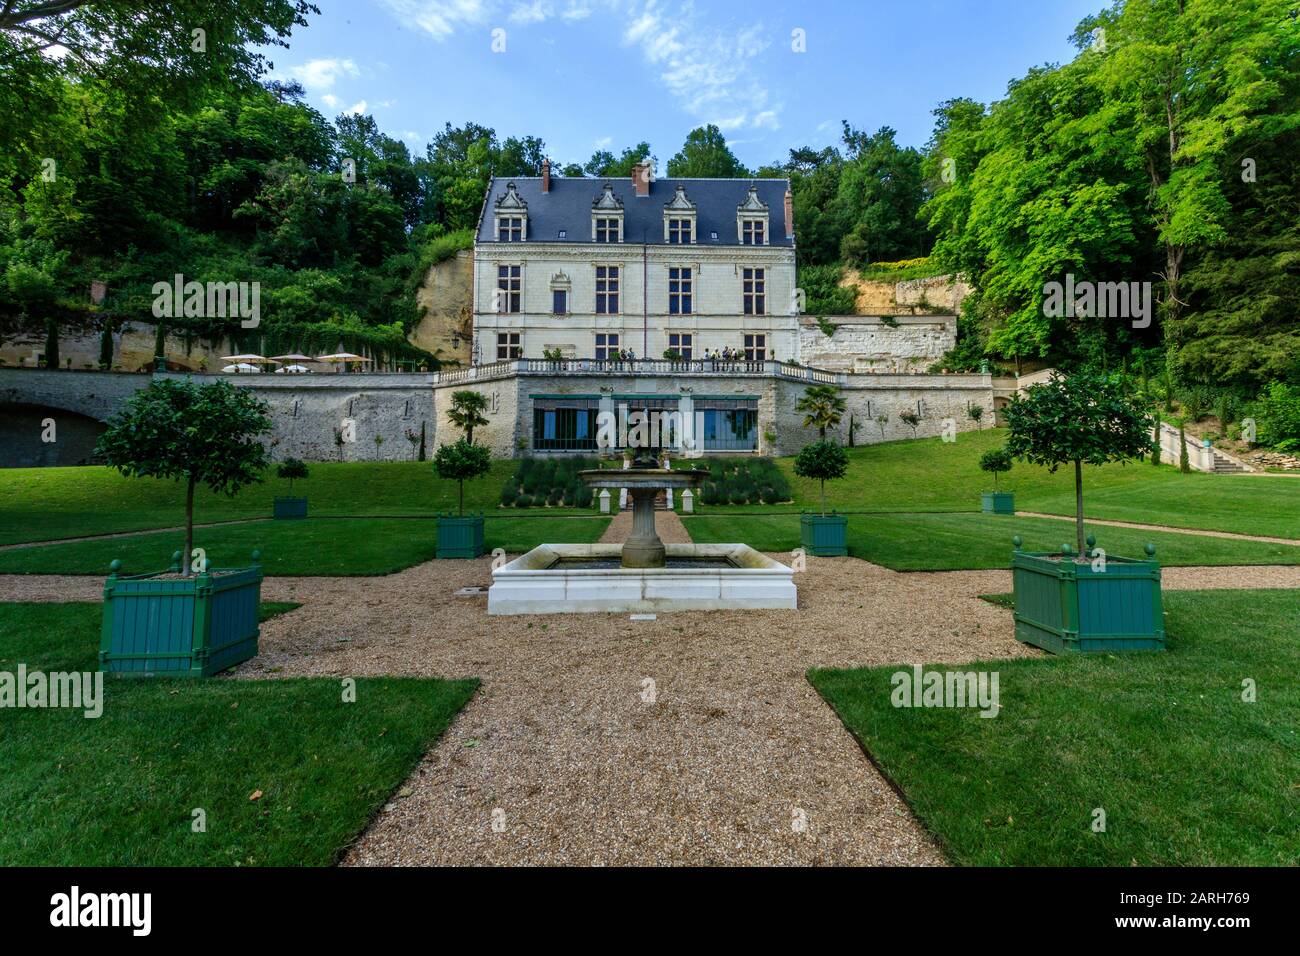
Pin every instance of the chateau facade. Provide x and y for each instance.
(592, 269)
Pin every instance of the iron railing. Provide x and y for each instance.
(596, 367)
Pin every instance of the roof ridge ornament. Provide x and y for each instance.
(607, 199)
(680, 200)
(511, 199)
(752, 203)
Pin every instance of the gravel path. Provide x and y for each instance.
(667, 524)
(1164, 527)
(565, 748)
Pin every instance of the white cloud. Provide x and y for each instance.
(317, 75)
(604, 141)
(534, 12)
(330, 100)
(439, 18)
(357, 108)
(709, 71)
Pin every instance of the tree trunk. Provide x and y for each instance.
(1078, 503)
(189, 529)
(823, 497)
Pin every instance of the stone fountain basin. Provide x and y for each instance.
(736, 578)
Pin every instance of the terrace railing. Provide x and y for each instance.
(610, 367)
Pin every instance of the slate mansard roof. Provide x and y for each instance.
(568, 207)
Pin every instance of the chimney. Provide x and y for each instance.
(546, 175)
(641, 176)
(789, 213)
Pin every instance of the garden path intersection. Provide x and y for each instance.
(691, 738)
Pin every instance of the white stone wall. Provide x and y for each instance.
(717, 320)
(866, 343)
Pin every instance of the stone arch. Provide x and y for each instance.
(24, 429)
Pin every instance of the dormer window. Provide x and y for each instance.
(607, 216)
(607, 230)
(751, 220)
(679, 219)
(511, 216)
(510, 229)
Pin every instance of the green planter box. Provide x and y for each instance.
(999, 502)
(290, 507)
(182, 627)
(1064, 606)
(824, 535)
(460, 537)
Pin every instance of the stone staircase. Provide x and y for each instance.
(1223, 465)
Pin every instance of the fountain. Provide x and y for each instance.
(642, 574)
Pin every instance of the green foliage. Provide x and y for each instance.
(995, 461)
(1086, 418)
(466, 412)
(705, 155)
(462, 461)
(822, 406)
(202, 434)
(911, 419)
(822, 461)
(292, 469)
(1277, 415)
(549, 481)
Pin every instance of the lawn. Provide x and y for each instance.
(931, 475)
(1187, 773)
(954, 542)
(44, 504)
(315, 546)
(285, 772)
(928, 475)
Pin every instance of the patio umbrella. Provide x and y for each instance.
(342, 358)
(295, 357)
(241, 367)
(292, 370)
(247, 359)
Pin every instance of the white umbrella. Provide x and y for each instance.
(292, 370)
(343, 357)
(241, 367)
(295, 357)
(249, 359)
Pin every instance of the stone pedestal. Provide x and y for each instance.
(604, 501)
(643, 549)
(688, 502)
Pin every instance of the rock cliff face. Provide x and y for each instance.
(446, 300)
(938, 294)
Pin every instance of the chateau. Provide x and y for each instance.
(591, 269)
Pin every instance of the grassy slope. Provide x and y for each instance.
(953, 542)
(316, 546)
(120, 789)
(1186, 772)
(43, 504)
(928, 475)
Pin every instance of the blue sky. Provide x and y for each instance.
(592, 74)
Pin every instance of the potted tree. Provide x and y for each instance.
(289, 506)
(823, 535)
(995, 461)
(1083, 599)
(191, 619)
(461, 536)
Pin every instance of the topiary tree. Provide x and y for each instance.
(1085, 418)
(822, 461)
(292, 469)
(467, 407)
(911, 419)
(823, 408)
(975, 413)
(995, 461)
(460, 462)
(201, 434)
